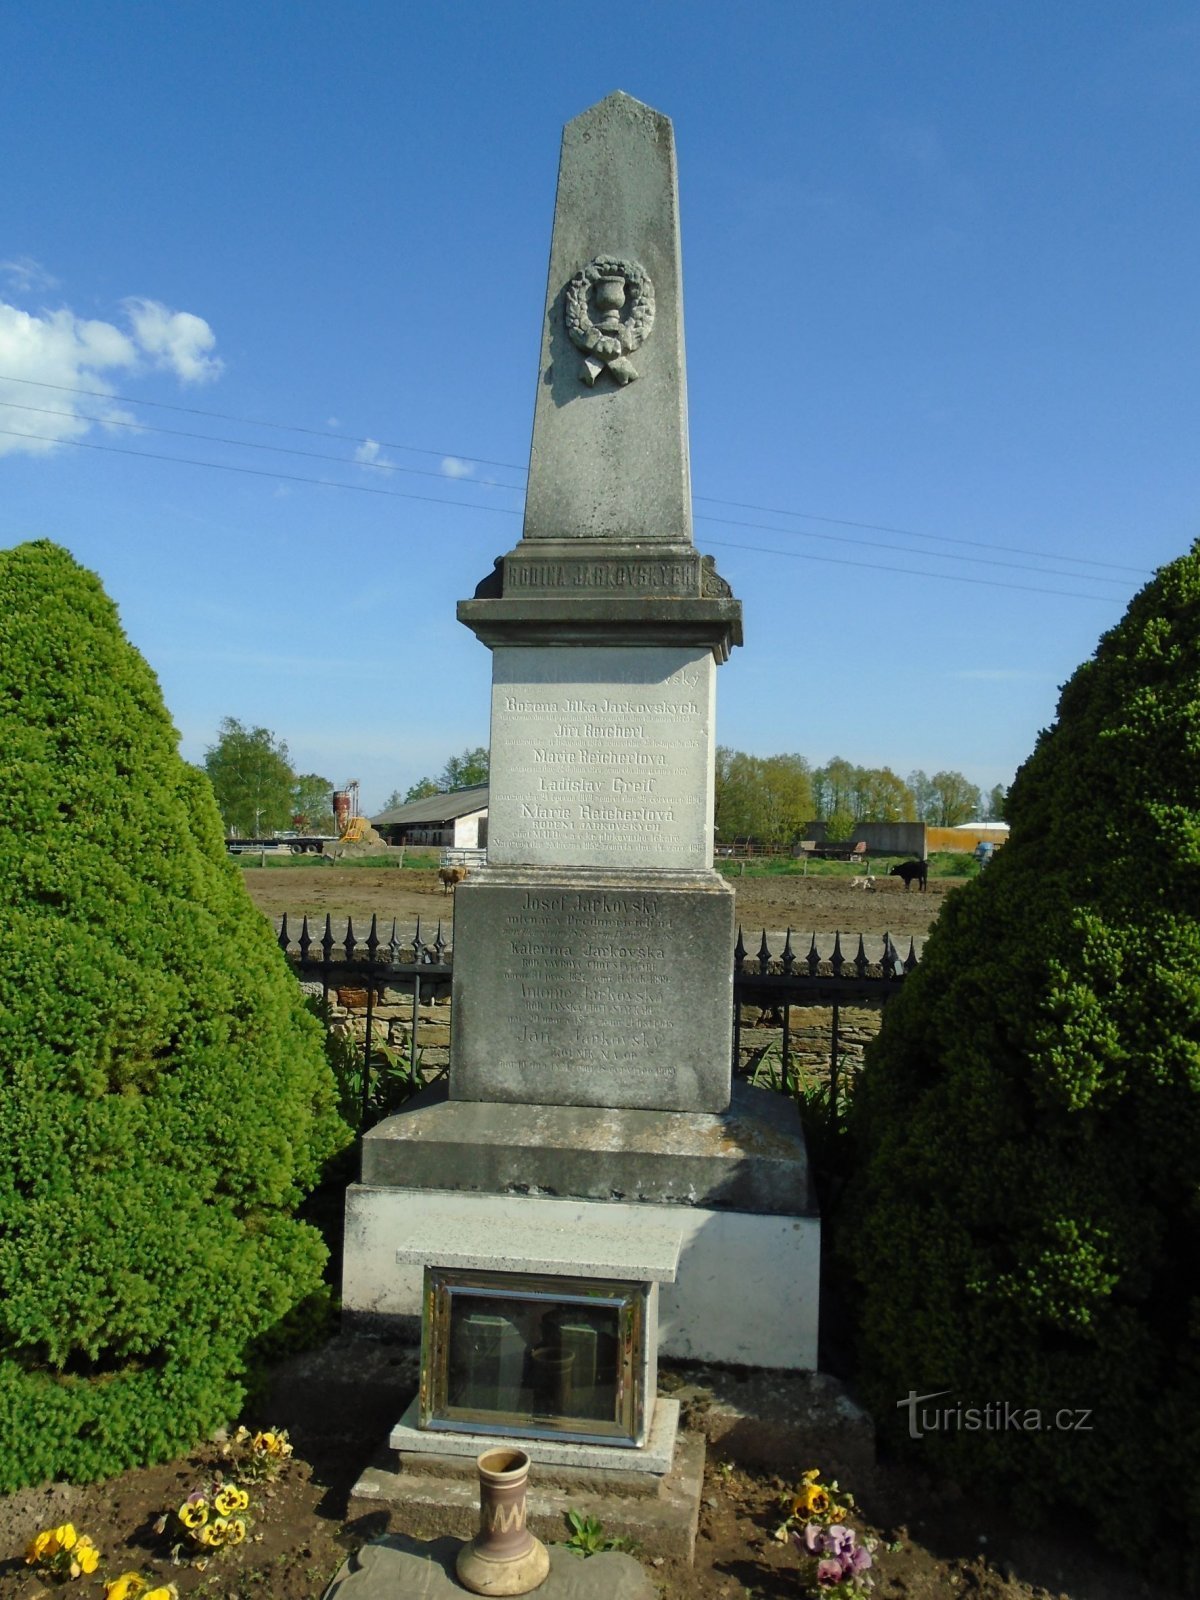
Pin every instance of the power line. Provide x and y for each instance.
(874, 544)
(261, 472)
(910, 533)
(809, 516)
(398, 494)
(250, 422)
(424, 472)
(241, 444)
(913, 572)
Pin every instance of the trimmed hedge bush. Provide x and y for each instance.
(164, 1097)
(1024, 1221)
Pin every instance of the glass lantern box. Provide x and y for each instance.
(536, 1356)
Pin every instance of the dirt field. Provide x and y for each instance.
(807, 905)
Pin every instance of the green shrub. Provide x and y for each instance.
(164, 1098)
(1025, 1219)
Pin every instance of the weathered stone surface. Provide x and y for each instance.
(609, 458)
(401, 1568)
(602, 757)
(593, 988)
(607, 1468)
(750, 1158)
(661, 1522)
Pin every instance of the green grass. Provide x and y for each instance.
(425, 861)
(944, 864)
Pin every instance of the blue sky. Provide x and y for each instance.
(939, 277)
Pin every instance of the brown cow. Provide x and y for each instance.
(451, 877)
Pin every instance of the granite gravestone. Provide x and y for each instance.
(593, 954)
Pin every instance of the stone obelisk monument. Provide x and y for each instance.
(592, 955)
(588, 1130)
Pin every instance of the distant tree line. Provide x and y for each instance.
(460, 772)
(774, 798)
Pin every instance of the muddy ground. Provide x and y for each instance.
(807, 905)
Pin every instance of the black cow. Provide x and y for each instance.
(908, 870)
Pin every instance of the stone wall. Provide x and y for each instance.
(761, 1030)
(810, 1030)
(392, 1019)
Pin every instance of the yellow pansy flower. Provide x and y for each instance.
(85, 1558)
(811, 1501)
(236, 1531)
(811, 1476)
(230, 1498)
(127, 1587)
(193, 1512)
(166, 1591)
(64, 1536)
(40, 1545)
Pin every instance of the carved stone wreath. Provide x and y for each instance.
(609, 346)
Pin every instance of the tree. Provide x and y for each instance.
(955, 799)
(995, 803)
(421, 790)
(833, 791)
(460, 772)
(924, 796)
(1023, 1220)
(466, 770)
(252, 779)
(165, 1101)
(312, 803)
(764, 798)
(878, 795)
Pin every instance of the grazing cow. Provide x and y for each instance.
(451, 877)
(908, 870)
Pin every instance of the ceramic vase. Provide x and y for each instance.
(504, 1557)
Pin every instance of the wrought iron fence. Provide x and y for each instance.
(775, 981)
(781, 981)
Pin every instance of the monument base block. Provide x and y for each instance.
(732, 1191)
(586, 987)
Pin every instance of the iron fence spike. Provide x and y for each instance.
(283, 934)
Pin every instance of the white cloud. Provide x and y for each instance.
(368, 452)
(45, 357)
(26, 274)
(176, 340)
(452, 467)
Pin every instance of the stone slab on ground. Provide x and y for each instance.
(663, 1523)
(654, 1457)
(399, 1568)
(749, 1158)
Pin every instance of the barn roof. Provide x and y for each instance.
(435, 808)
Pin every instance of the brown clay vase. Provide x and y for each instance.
(504, 1557)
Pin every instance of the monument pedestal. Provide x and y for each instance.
(733, 1188)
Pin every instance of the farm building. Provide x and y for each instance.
(456, 820)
